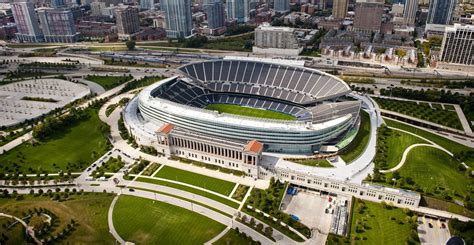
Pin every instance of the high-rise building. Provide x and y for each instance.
(215, 13)
(97, 8)
(458, 45)
(178, 18)
(441, 11)
(57, 3)
(368, 15)
(276, 40)
(57, 25)
(409, 13)
(147, 4)
(339, 9)
(127, 20)
(281, 5)
(238, 10)
(26, 21)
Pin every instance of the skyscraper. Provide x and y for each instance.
(441, 11)
(57, 3)
(458, 45)
(147, 4)
(409, 13)
(26, 21)
(57, 25)
(127, 22)
(238, 10)
(178, 18)
(281, 5)
(368, 15)
(215, 13)
(339, 9)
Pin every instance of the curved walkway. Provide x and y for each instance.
(405, 154)
(408, 149)
(111, 222)
(29, 230)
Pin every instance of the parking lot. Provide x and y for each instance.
(310, 208)
(433, 231)
(31, 98)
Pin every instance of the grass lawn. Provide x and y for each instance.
(249, 112)
(445, 143)
(379, 225)
(89, 210)
(182, 198)
(191, 190)
(390, 146)
(435, 172)
(232, 237)
(14, 235)
(238, 43)
(145, 221)
(108, 82)
(210, 183)
(322, 163)
(422, 111)
(71, 149)
(357, 146)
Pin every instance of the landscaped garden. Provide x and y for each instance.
(112, 165)
(66, 148)
(421, 111)
(109, 82)
(461, 152)
(359, 143)
(434, 173)
(241, 43)
(145, 81)
(206, 182)
(240, 192)
(235, 237)
(391, 144)
(145, 221)
(375, 223)
(79, 218)
(249, 112)
(269, 201)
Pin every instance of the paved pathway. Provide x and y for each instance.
(94, 87)
(111, 222)
(16, 142)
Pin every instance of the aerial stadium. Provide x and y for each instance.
(314, 107)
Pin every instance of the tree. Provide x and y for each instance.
(130, 45)
(37, 222)
(268, 231)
